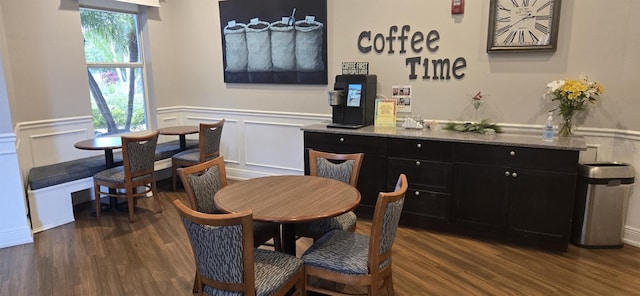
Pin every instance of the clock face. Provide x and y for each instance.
(523, 24)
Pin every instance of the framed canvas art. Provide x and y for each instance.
(280, 41)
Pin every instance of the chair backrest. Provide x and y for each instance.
(138, 156)
(223, 248)
(202, 181)
(210, 134)
(385, 224)
(341, 167)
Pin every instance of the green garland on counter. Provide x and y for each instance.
(482, 127)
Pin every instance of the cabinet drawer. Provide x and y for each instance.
(421, 174)
(341, 143)
(544, 159)
(521, 157)
(427, 204)
(420, 149)
(481, 154)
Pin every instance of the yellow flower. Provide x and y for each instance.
(572, 94)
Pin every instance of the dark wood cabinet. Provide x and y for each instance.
(523, 193)
(513, 193)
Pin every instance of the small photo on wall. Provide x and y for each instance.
(402, 94)
(280, 41)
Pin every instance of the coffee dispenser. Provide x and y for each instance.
(353, 101)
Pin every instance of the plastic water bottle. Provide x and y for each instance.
(547, 130)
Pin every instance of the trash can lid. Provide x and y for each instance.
(606, 170)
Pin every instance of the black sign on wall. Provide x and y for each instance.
(280, 41)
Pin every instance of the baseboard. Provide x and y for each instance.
(631, 236)
(14, 237)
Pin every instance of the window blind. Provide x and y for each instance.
(154, 3)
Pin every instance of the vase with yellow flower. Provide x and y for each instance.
(572, 96)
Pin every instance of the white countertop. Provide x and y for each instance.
(509, 139)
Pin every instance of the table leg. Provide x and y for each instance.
(289, 238)
(108, 156)
(183, 142)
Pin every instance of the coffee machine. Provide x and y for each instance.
(353, 101)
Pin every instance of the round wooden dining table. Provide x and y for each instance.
(181, 131)
(288, 200)
(102, 143)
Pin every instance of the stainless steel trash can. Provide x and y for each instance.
(602, 193)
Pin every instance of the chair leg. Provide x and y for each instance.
(174, 175)
(96, 192)
(390, 290)
(130, 201)
(277, 243)
(196, 284)
(154, 191)
(301, 285)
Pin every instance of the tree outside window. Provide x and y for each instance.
(115, 71)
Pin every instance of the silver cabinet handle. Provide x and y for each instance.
(341, 139)
(514, 175)
(512, 153)
(418, 163)
(419, 145)
(506, 173)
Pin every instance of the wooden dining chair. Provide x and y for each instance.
(341, 167)
(208, 148)
(202, 181)
(137, 171)
(349, 258)
(228, 264)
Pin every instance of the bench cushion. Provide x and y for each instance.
(63, 172)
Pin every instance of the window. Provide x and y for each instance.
(115, 70)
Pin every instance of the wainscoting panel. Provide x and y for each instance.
(263, 140)
(254, 143)
(51, 141)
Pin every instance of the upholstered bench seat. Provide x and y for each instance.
(63, 172)
(50, 186)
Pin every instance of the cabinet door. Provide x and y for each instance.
(481, 197)
(541, 206)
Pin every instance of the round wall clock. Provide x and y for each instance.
(523, 25)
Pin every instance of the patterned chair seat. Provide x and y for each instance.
(272, 271)
(192, 155)
(341, 252)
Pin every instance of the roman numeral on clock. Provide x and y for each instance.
(533, 37)
(542, 28)
(544, 6)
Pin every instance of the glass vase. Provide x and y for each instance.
(566, 128)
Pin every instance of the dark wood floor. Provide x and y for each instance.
(110, 256)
